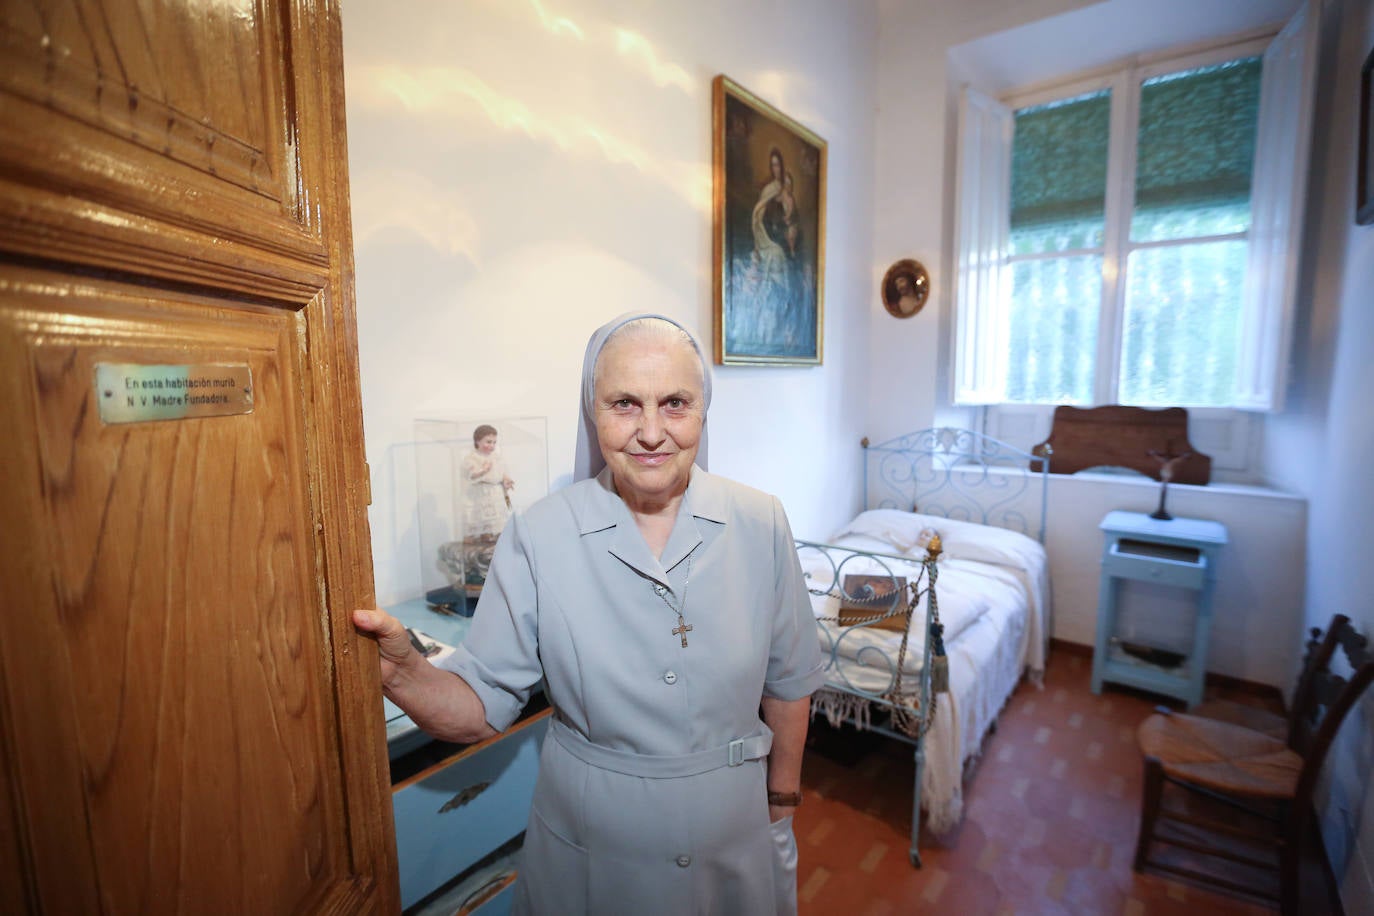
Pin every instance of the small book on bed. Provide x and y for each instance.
(866, 596)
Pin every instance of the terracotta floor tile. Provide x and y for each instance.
(969, 898)
(1064, 846)
(1050, 817)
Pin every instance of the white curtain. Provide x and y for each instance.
(982, 222)
(1277, 200)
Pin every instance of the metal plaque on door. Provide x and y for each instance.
(138, 393)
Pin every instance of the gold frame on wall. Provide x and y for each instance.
(768, 224)
(905, 303)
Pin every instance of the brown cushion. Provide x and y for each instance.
(1221, 756)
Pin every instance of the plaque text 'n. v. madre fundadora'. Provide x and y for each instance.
(137, 393)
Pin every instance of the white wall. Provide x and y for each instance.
(915, 195)
(1259, 584)
(1323, 442)
(523, 172)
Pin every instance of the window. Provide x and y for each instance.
(1180, 250)
(1127, 239)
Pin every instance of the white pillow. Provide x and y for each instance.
(904, 531)
(909, 532)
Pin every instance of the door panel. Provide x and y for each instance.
(147, 72)
(184, 606)
(173, 122)
(188, 720)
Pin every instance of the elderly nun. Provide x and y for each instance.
(664, 609)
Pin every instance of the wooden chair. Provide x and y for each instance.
(1251, 717)
(1265, 784)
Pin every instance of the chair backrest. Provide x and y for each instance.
(1320, 649)
(1323, 699)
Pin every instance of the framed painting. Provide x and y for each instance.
(769, 233)
(906, 286)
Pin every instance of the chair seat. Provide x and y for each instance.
(1221, 756)
(1251, 717)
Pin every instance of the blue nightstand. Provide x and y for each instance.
(1180, 553)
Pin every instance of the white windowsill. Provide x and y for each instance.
(1108, 479)
(1238, 489)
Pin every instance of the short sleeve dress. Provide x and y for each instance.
(652, 794)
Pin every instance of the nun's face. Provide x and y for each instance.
(649, 414)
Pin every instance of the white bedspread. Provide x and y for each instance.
(906, 533)
(993, 594)
(965, 591)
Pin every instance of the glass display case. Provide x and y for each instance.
(471, 475)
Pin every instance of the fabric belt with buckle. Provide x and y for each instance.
(663, 766)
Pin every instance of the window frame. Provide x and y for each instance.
(1123, 81)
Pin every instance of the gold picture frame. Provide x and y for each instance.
(768, 220)
(905, 289)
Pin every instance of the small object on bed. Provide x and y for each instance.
(876, 599)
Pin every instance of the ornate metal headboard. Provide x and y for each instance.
(960, 474)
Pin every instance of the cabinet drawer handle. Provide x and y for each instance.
(485, 893)
(465, 796)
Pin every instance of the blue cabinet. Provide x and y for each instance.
(459, 810)
(1180, 553)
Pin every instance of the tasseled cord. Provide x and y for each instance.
(939, 663)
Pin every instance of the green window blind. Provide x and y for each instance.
(1059, 174)
(1195, 150)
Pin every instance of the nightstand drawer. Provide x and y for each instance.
(455, 813)
(1165, 564)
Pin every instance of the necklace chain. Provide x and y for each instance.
(683, 627)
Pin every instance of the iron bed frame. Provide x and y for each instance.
(945, 472)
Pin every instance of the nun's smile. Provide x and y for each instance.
(649, 415)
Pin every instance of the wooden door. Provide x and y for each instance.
(188, 723)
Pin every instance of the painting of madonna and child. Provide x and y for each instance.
(769, 181)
